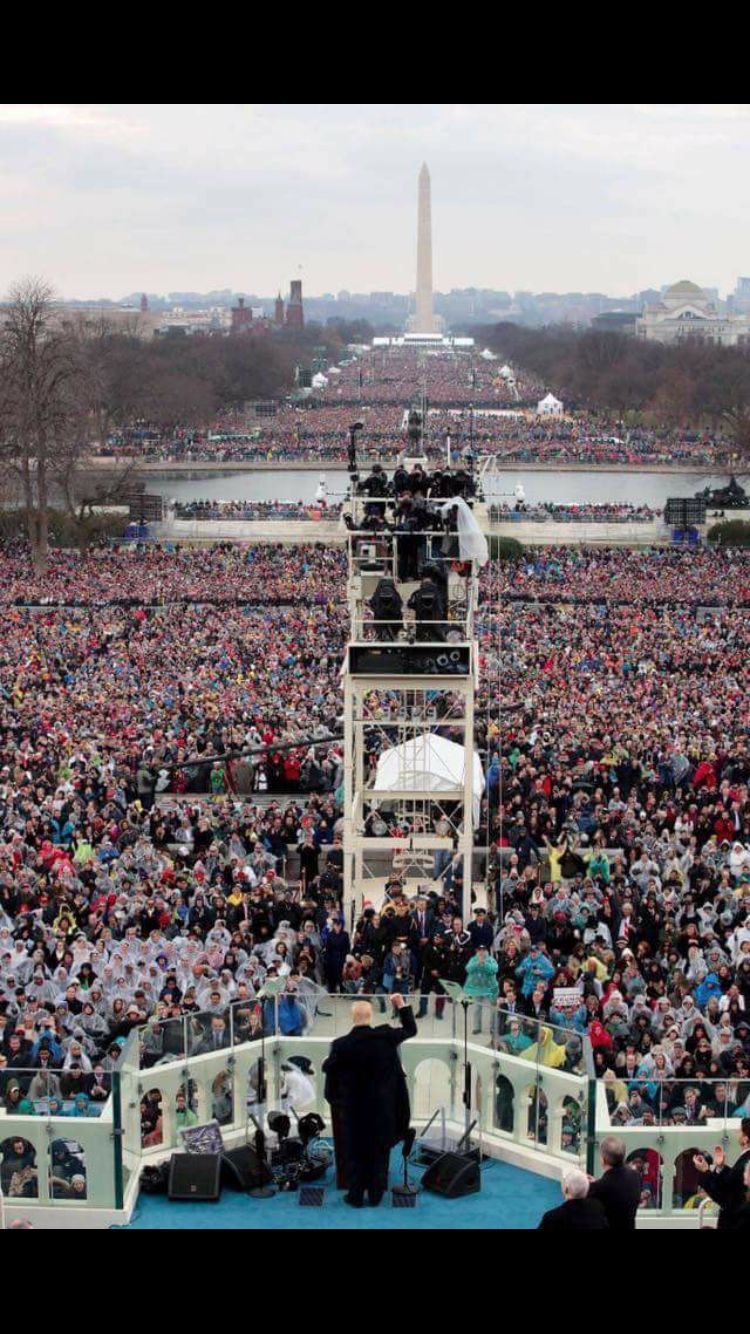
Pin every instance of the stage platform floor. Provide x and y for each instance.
(510, 1199)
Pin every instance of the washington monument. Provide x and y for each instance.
(424, 318)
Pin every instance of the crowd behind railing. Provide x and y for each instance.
(258, 510)
(586, 512)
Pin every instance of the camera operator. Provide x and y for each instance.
(400, 482)
(463, 483)
(387, 608)
(375, 486)
(441, 484)
(429, 604)
(407, 525)
(449, 546)
(419, 482)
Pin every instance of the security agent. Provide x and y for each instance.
(618, 1189)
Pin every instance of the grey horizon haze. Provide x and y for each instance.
(104, 200)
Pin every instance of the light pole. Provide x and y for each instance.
(457, 994)
(354, 430)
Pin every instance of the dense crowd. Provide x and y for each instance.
(625, 775)
(701, 577)
(613, 725)
(469, 398)
(258, 510)
(585, 512)
(153, 576)
(299, 434)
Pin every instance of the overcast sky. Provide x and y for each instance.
(105, 200)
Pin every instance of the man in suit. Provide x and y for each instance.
(619, 1187)
(366, 1088)
(579, 1213)
(726, 1185)
(422, 930)
(216, 1037)
(423, 919)
(481, 930)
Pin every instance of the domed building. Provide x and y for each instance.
(686, 311)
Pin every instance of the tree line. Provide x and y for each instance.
(691, 384)
(68, 382)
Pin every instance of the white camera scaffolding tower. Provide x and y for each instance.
(407, 695)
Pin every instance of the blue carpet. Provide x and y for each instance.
(509, 1199)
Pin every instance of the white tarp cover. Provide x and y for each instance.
(318, 381)
(472, 543)
(549, 404)
(487, 355)
(428, 763)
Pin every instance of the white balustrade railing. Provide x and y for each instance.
(527, 1112)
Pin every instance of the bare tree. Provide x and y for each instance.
(43, 402)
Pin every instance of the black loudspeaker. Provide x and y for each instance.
(410, 660)
(242, 1169)
(683, 513)
(453, 1175)
(674, 513)
(195, 1176)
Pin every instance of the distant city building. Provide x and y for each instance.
(278, 311)
(739, 300)
(686, 311)
(616, 321)
(144, 303)
(242, 317)
(295, 318)
(128, 320)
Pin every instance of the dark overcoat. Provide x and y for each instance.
(366, 1084)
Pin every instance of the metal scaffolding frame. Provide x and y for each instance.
(385, 711)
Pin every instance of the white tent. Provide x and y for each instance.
(506, 372)
(486, 355)
(549, 404)
(428, 763)
(318, 381)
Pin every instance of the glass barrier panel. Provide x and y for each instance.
(73, 1092)
(68, 1168)
(539, 1041)
(162, 1040)
(19, 1167)
(56, 1141)
(649, 1100)
(128, 1068)
(208, 1030)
